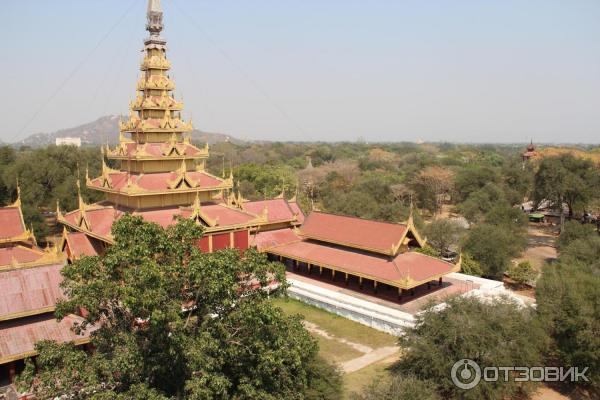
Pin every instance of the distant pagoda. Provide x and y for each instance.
(162, 174)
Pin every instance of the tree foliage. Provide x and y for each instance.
(443, 233)
(178, 323)
(568, 303)
(567, 179)
(491, 334)
(522, 273)
(399, 387)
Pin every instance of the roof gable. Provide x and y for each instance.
(12, 227)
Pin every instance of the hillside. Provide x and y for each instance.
(106, 129)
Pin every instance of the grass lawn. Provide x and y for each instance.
(356, 381)
(336, 325)
(335, 352)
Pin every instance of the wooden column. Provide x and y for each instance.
(400, 294)
(333, 275)
(440, 281)
(320, 270)
(375, 286)
(346, 279)
(360, 285)
(296, 265)
(309, 268)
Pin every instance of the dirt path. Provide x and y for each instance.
(370, 355)
(314, 328)
(369, 358)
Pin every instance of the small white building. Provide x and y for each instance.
(68, 141)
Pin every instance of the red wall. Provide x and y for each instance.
(203, 244)
(220, 241)
(241, 240)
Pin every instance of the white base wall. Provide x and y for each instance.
(383, 318)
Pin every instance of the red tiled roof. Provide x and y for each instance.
(353, 232)
(81, 245)
(18, 337)
(296, 209)
(157, 181)
(279, 209)
(265, 240)
(29, 289)
(20, 254)
(102, 218)
(11, 223)
(226, 215)
(412, 265)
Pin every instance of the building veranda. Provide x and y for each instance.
(368, 254)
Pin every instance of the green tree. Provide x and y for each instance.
(494, 333)
(469, 266)
(493, 246)
(442, 233)
(178, 323)
(568, 180)
(522, 273)
(574, 230)
(399, 388)
(568, 304)
(473, 178)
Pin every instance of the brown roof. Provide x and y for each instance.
(11, 223)
(29, 291)
(18, 337)
(265, 240)
(101, 217)
(406, 270)
(354, 232)
(278, 209)
(81, 245)
(296, 209)
(20, 255)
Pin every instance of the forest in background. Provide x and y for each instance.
(480, 186)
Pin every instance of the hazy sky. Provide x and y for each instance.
(484, 71)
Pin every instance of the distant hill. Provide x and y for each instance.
(106, 128)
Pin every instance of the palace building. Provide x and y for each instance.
(162, 175)
(29, 290)
(358, 252)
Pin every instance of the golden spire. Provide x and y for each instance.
(82, 205)
(282, 194)
(17, 202)
(32, 235)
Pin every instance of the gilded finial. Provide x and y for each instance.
(17, 202)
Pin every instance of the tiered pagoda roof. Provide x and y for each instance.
(159, 174)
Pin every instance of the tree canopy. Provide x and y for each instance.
(490, 333)
(177, 323)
